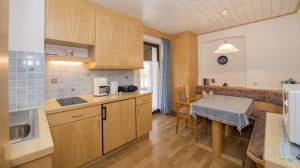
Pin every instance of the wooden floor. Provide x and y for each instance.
(165, 149)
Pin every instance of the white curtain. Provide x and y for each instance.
(150, 81)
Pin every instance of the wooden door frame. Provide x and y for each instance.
(155, 46)
(4, 140)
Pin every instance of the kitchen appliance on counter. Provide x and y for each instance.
(290, 81)
(206, 81)
(113, 87)
(128, 88)
(291, 111)
(101, 87)
(70, 101)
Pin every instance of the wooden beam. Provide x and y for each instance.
(156, 33)
(4, 142)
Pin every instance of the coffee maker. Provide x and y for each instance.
(101, 87)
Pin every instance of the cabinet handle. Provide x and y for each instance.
(103, 113)
(79, 115)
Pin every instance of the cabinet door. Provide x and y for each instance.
(76, 143)
(128, 122)
(133, 44)
(144, 119)
(119, 124)
(68, 21)
(109, 48)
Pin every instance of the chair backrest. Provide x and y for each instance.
(180, 93)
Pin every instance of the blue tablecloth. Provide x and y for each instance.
(225, 109)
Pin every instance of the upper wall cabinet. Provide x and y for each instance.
(109, 48)
(119, 42)
(68, 22)
(133, 44)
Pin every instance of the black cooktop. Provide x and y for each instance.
(70, 101)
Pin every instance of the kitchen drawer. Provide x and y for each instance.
(144, 99)
(73, 115)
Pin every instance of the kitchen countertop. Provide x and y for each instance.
(272, 140)
(35, 148)
(52, 106)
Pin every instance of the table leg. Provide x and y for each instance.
(228, 130)
(196, 130)
(217, 138)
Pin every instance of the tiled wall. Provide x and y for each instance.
(65, 79)
(26, 80)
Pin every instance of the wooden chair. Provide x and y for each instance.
(183, 109)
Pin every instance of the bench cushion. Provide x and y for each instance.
(269, 96)
(256, 144)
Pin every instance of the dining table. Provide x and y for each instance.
(222, 110)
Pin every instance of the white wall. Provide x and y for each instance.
(272, 51)
(26, 25)
(235, 71)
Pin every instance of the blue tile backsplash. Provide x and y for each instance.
(26, 80)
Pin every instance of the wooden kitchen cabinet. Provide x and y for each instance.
(77, 142)
(109, 48)
(119, 42)
(119, 124)
(68, 22)
(184, 60)
(133, 44)
(143, 119)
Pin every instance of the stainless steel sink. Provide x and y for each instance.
(23, 125)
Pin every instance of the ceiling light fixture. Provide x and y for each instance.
(226, 47)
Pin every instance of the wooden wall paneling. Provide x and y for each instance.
(205, 16)
(276, 7)
(285, 7)
(247, 5)
(4, 140)
(231, 19)
(267, 8)
(184, 64)
(294, 6)
(228, 5)
(258, 9)
(241, 10)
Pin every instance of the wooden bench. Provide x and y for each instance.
(256, 145)
(264, 100)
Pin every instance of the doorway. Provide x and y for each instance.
(150, 75)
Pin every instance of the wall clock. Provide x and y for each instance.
(222, 60)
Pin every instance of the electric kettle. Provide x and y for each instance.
(113, 87)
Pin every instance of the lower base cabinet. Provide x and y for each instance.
(76, 143)
(143, 119)
(44, 162)
(119, 124)
(80, 134)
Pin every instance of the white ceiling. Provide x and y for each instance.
(200, 16)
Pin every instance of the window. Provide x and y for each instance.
(149, 76)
